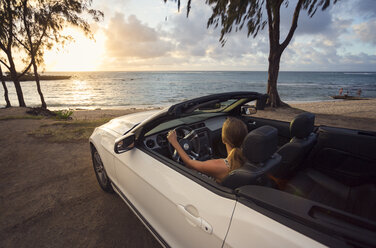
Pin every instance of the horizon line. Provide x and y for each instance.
(204, 71)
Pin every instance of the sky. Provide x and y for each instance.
(137, 35)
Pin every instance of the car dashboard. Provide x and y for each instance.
(208, 132)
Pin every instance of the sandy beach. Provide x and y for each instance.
(349, 114)
(48, 192)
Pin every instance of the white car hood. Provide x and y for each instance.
(122, 124)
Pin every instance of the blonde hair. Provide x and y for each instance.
(233, 133)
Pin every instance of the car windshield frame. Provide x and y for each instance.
(187, 108)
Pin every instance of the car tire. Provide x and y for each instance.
(100, 172)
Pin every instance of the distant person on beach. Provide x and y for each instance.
(347, 93)
(340, 91)
(359, 92)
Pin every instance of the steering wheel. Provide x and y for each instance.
(189, 141)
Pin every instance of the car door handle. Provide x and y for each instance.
(195, 221)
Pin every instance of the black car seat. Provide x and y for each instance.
(316, 186)
(303, 139)
(258, 148)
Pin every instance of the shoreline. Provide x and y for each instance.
(359, 114)
(162, 106)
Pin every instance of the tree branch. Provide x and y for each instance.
(1, 61)
(270, 21)
(277, 20)
(2, 46)
(21, 43)
(41, 37)
(25, 70)
(10, 31)
(294, 25)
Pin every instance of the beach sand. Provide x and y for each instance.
(49, 195)
(348, 114)
(48, 191)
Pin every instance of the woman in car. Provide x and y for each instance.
(233, 134)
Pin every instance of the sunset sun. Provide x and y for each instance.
(81, 54)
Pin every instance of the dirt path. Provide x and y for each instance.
(49, 196)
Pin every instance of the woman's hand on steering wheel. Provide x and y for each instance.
(172, 137)
(187, 139)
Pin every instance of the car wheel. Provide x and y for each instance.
(100, 172)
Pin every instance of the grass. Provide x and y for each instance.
(18, 117)
(68, 131)
(60, 115)
(63, 114)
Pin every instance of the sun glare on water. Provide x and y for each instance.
(82, 54)
(81, 93)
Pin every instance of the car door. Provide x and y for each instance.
(179, 211)
(267, 217)
(250, 228)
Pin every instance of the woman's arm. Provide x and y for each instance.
(214, 167)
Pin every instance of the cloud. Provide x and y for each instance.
(324, 42)
(319, 23)
(196, 43)
(364, 8)
(366, 31)
(132, 39)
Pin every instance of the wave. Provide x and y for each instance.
(359, 73)
(300, 84)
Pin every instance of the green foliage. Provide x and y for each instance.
(63, 114)
(31, 26)
(235, 14)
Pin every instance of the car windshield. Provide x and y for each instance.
(200, 113)
(187, 120)
(218, 106)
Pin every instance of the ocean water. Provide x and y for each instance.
(91, 90)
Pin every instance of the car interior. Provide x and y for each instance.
(318, 175)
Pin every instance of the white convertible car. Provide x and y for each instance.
(302, 185)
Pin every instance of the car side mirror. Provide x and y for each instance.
(125, 143)
(248, 110)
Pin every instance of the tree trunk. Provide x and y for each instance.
(33, 52)
(16, 81)
(44, 105)
(17, 85)
(274, 100)
(5, 90)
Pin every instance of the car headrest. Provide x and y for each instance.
(302, 125)
(252, 174)
(260, 144)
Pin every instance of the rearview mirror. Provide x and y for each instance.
(248, 110)
(124, 143)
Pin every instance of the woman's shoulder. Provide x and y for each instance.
(218, 162)
(227, 163)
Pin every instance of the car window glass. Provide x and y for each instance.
(187, 120)
(217, 107)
